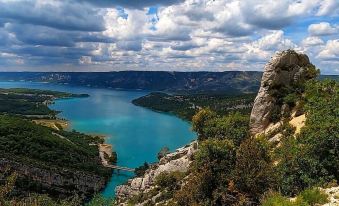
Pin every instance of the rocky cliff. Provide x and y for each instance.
(176, 161)
(287, 69)
(58, 183)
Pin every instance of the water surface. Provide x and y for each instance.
(136, 133)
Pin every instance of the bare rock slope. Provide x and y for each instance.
(285, 69)
(176, 161)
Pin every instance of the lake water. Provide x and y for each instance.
(137, 134)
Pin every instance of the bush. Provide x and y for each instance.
(308, 197)
(163, 152)
(199, 121)
(254, 173)
(233, 127)
(168, 179)
(313, 196)
(211, 171)
(140, 171)
(276, 199)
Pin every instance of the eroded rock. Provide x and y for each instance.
(285, 69)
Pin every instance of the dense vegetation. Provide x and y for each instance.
(40, 151)
(28, 142)
(233, 168)
(185, 106)
(30, 101)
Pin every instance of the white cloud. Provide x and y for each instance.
(322, 29)
(312, 41)
(328, 7)
(85, 60)
(331, 51)
(188, 35)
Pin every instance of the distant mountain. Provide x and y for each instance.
(178, 82)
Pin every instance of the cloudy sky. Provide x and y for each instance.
(176, 35)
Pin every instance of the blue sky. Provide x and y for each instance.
(167, 35)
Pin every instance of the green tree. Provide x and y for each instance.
(199, 121)
(254, 169)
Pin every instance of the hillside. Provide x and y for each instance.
(179, 82)
(266, 162)
(185, 106)
(23, 101)
(44, 160)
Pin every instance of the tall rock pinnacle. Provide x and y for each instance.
(285, 69)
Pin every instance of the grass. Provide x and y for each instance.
(308, 197)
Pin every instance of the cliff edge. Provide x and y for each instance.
(285, 70)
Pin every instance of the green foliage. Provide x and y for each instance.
(28, 142)
(99, 200)
(296, 170)
(313, 196)
(163, 152)
(308, 197)
(199, 121)
(312, 158)
(168, 179)
(6, 199)
(185, 106)
(233, 126)
(30, 101)
(254, 173)
(212, 168)
(140, 171)
(321, 132)
(276, 199)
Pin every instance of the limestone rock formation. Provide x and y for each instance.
(176, 161)
(286, 69)
(58, 183)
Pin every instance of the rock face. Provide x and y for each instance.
(285, 69)
(176, 161)
(58, 183)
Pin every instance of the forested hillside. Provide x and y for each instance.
(36, 159)
(185, 106)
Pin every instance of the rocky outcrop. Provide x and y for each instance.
(333, 196)
(285, 69)
(176, 161)
(56, 182)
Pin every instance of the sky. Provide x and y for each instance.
(165, 35)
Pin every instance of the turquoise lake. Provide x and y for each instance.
(137, 134)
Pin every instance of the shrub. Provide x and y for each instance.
(140, 171)
(276, 199)
(211, 171)
(168, 180)
(233, 127)
(254, 169)
(313, 196)
(163, 152)
(199, 121)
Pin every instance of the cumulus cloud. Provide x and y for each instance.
(322, 29)
(328, 7)
(138, 4)
(331, 50)
(56, 14)
(190, 35)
